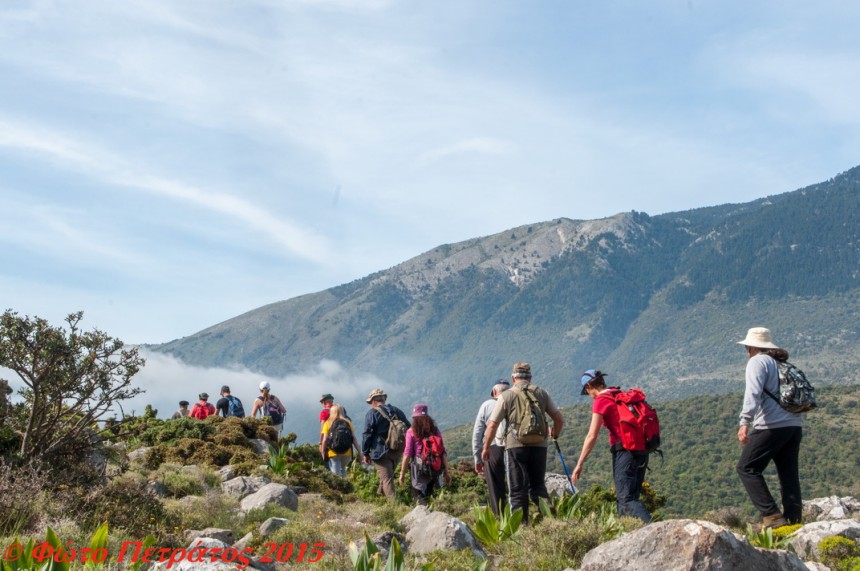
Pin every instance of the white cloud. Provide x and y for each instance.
(111, 169)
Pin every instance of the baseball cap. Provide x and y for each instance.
(264, 386)
(589, 376)
(326, 397)
(203, 396)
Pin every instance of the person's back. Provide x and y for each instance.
(228, 405)
(373, 442)
(202, 409)
(182, 412)
(526, 449)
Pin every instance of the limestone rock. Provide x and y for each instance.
(805, 540)
(138, 454)
(226, 473)
(271, 493)
(429, 531)
(260, 445)
(272, 525)
(832, 508)
(676, 545)
(243, 486)
(223, 535)
(557, 484)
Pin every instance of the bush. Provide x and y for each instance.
(839, 553)
(125, 505)
(21, 498)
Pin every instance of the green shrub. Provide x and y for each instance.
(839, 553)
(21, 498)
(127, 506)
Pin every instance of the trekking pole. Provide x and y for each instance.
(564, 466)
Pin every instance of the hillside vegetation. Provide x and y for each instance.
(700, 451)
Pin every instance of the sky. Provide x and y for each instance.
(169, 165)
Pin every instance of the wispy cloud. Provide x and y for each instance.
(112, 169)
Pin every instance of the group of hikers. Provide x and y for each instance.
(266, 404)
(511, 435)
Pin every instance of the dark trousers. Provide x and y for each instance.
(494, 473)
(526, 472)
(782, 445)
(628, 472)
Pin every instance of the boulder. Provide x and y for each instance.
(260, 445)
(244, 542)
(272, 525)
(226, 473)
(223, 535)
(428, 531)
(243, 486)
(383, 542)
(271, 494)
(557, 484)
(138, 454)
(685, 544)
(834, 507)
(805, 540)
(156, 488)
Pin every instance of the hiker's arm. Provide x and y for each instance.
(322, 446)
(403, 467)
(489, 435)
(557, 424)
(357, 449)
(255, 408)
(587, 445)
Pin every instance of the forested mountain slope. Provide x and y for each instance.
(655, 300)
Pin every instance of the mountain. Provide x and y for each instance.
(655, 301)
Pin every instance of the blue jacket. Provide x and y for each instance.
(376, 430)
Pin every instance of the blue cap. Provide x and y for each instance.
(589, 376)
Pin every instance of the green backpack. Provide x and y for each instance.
(529, 422)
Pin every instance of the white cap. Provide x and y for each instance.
(265, 385)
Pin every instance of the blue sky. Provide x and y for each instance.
(168, 165)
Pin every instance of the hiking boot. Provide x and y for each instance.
(772, 521)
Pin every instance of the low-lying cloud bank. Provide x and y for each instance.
(166, 380)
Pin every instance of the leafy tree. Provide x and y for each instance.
(72, 378)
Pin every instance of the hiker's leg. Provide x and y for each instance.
(494, 472)
(628, 471)
(786, 461)
(537, 474)
(385, 469)
(755, 456)
(337, 464)
(519, 479)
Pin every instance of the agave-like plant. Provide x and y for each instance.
(490, 529)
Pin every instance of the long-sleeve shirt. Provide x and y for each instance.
(481, 427)
(759, 410)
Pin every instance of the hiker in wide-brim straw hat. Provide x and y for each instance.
(758, 337)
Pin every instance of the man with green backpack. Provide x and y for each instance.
(524, 408)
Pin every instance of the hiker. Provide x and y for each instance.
(267, 404)
(375, 440)
(524, 407)
(494, 469)
(327, 401)
(768, 432)
(424, 455)
(228, 405)
(337, 441)
(628, 467)
(182, 412)
(202, 408)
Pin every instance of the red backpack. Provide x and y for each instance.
(640, 427)
(431, 454)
